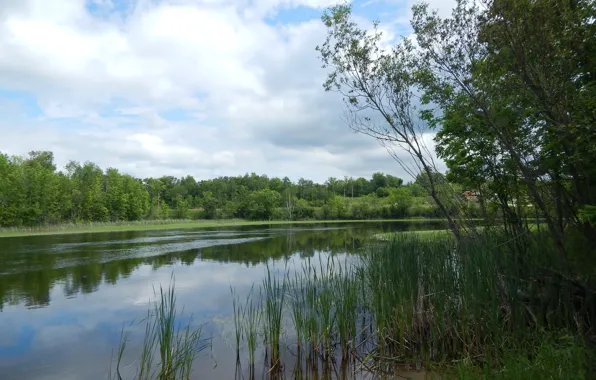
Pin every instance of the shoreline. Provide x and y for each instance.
(67, 229)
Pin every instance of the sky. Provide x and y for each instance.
(184, 87)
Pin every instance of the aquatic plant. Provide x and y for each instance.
(274, 292)
(347, 304)
(174, 344)
(238, 316)
(412, 300)
(252, 322)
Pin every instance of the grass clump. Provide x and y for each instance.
(238, 315)
(558, 358)
(484, 300)
(252, 322)
(274, 292)
(169, 347)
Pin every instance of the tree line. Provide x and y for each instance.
(33, 192)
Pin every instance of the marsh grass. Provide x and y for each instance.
(274, 292)
(65, 227)
(252, 323)
(297, 302)
(347, 304)
(238, 315)
(325, 305)
(173, 344)
(555, 358)
(414, 300)
(166, 224)
(434, 301)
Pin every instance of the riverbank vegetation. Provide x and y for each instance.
(182, 224)
(508, 87)
(474, 309)
(33, 193)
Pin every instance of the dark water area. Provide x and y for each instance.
(64, 299)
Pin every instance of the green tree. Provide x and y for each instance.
(209, 205)
(517, 75)
(137, 198)
(181, 207)
(260, 205)
(11, 196)
(379, 91)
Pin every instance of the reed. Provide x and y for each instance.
(345, 288)
(434, 300)
(310, 319)
(238, 315)
(274, 290)
(415, 300)
(297, 301)
(325, 304)
(174, 344)
(252, 322)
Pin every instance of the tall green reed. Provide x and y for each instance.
(434, 300)
(323, 278)
(174, 344)
(345, 290)
(238, 315)
(419, 300)
(297, 301)
(252, 323)
(274, 291)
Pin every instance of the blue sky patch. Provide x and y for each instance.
(294, 15)
(176, 114)
(27, 101)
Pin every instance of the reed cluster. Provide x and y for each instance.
(412, 301)
(169, 347)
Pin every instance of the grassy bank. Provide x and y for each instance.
(483, 309)
(172, 224)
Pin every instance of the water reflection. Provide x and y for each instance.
(65, 298)
(30, 267)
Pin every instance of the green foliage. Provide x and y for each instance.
(509, 86)
(181, 207)
(34, 194)
(209, 204)
(261, 204)
(561, 358)
(588, 214)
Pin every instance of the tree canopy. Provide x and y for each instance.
(33, 192)
(507, 86)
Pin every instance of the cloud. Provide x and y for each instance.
(176, 87)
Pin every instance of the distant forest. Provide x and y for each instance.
(33, 192)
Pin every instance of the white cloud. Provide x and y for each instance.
(246, 91)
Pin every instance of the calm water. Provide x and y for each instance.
(65, 298)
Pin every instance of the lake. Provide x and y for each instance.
(66, 298)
